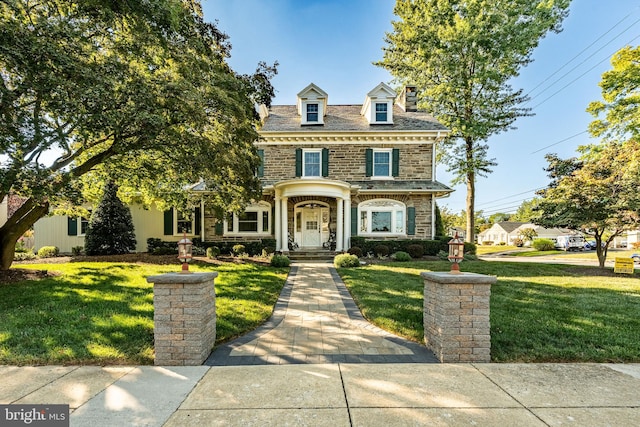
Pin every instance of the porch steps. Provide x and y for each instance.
(317, 255)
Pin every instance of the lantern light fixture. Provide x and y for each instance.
(456, 253)
(185, 253)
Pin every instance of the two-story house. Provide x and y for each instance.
(329, 172)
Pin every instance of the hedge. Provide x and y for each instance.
(430, 247)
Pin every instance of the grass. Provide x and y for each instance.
(492, 249)
(102, 313)
(539, 312)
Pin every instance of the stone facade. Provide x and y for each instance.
(184, 318)
(456, 316)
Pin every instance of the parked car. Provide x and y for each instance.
(636, 258)
(590, 245)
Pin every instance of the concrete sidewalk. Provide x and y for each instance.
(318, 362)
(335, 394)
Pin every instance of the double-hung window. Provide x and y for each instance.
(184, 222)
(312, 113)
(382, 163)
(312, 162)
(381, 111)
(84, 224)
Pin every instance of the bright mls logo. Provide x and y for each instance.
(34, 415)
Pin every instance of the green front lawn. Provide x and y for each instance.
(102, 313)
(539, 312)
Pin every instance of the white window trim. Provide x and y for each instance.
(177, 232)
(260, 209)
(389, 120)
(375, 177)
(80, 218)
(304, 169)
(365, 206)
(303, 112)
(375, 112)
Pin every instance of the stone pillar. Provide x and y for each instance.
(184, 317)
(456, 316)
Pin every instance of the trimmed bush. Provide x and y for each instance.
(239, 249)
(76, 250)
(354, 250)
(213, 252)
(401, 256)
(48, 252)
(416, 251)
(346, 261)
(382, 250)
(24, 256)
(162, 250)
(518, 242)
(543, 245)
(487, 242)
(280, 261)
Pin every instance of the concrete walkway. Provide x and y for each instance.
(270, 379)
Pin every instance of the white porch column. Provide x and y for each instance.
(347, 223)
(276, 223)
(340, 221)
(283, 224)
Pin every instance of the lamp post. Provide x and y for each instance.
(185, 250)
(456, 253)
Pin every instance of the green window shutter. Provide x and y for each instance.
(168, 222)
(198, 222)
(411, 221)
(72, 226)
(261, 166)
(395, 162)
(298, 162)
(325, 162)
(354, 221)
(219, 226)
(369, 162)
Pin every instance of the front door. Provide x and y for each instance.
(311, 224)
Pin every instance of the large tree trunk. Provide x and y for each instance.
(22, 220)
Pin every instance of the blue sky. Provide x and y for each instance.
(333, 43)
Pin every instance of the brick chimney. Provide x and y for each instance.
(408, 99)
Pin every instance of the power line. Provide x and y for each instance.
(508, 197)
(579, 77)
(585, 49)
(578, 65)
(558, 142)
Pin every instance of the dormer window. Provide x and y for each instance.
(381, 112)
(312, 113)
(378, 105)
(312, 105)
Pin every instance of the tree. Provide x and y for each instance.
(131, 91)
(525, 211)
(528, 234)
(462, 54)
(440, 224)
(111, 230)
(499, 217)
(621, 102)
(595, 194)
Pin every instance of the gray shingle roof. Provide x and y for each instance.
(341, 118)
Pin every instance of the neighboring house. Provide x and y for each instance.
(507, 232)
(329, 172)
(499, 233)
